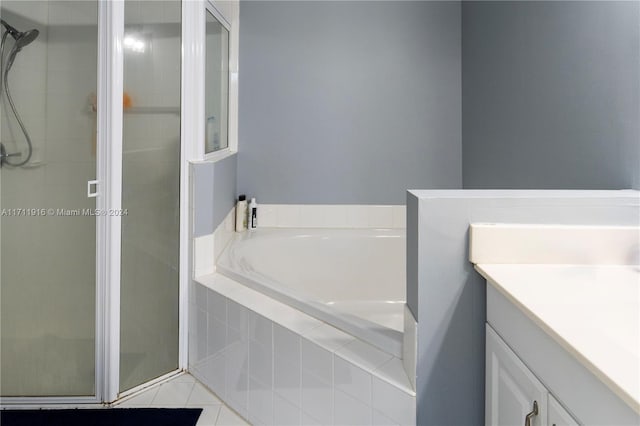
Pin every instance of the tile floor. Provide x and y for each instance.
(186, 391)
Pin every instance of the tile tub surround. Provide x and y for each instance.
(276, 365)
(331, 216)
(207, 248)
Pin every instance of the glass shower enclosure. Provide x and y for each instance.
(90, 145)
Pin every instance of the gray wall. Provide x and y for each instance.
(448, 297)
(348, 102)
(214, 187)
(551, 94)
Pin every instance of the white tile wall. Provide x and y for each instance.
(352, 380)
(410, 346)
(331, 216)
(350, 411)
(284, 412)
(364, 355)
(317, 398)
(273, 374)
(207, 248)
(287, 361)
(260, 406)
(203, 255)
(393, 403)
(224, 233)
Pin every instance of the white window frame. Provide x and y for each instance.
(227, 13)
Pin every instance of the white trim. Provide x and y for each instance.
(48, 401)
(146, 385)
(227, 13)
(192, 132)
(218, 155)
(220, 16)
(110, 172)
(234, 46)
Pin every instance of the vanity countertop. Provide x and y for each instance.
(593, 311)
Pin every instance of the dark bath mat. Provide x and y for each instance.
(102, 417)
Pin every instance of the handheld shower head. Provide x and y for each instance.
(22, 38)
(26, 37)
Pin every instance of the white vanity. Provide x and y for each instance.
(563, 323)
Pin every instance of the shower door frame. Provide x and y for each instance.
(110, 77)
(110, 137)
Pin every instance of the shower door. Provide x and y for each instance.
(48, 222)
(149, 278)
(90, 198)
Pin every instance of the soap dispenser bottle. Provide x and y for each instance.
(253, 215)
(241, 213)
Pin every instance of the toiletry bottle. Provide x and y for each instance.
(253, 215)
(241, 213)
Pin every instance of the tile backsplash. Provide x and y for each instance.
(331, 216)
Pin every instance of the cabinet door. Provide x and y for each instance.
(511, 388)
(557, 415)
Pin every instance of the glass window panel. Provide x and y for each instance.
(216, 85)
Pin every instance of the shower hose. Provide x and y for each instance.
(5, 85)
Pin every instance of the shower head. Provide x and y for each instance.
(21, 38)
(26, 37)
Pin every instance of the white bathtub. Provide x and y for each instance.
(351, 279)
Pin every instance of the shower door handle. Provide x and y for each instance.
(90, 193)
